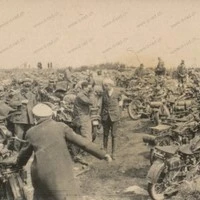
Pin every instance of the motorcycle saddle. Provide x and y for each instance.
(168, 149)
(186, 149)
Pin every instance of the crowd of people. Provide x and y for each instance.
(33, 112)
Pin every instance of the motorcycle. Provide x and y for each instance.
(179, 133)
(172, 166)
(96, 122)
(180, 106)
(13, 179)
(139, 105)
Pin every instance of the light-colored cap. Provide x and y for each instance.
(42, 110)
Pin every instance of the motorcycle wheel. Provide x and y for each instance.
(134, 110)
(159, 187)
(155, 186)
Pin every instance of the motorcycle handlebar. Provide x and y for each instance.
(17, 139)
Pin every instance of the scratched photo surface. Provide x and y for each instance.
(88, 33)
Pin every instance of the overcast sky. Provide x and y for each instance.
(87, 32)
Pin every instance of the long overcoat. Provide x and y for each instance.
(51, 171)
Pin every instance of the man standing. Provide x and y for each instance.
(160, 69)
(110, 113)
(140, 71)
(82, 111)
(23, 102)
(182, 74)
(51, 170)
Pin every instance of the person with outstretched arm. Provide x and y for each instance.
(51, 171)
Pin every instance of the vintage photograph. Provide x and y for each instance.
(99, 100)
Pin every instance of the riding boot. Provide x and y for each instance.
(113, 147)
(105, 142)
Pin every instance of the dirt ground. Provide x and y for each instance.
(107, 181)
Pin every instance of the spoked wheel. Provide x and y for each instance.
(161, 186)
(134, 110)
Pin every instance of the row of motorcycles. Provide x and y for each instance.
(174, 151)
(174, 147)
(142, 102)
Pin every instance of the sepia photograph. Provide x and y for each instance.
(99, 100)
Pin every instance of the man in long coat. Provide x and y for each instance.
(51, 171)
(23, 102)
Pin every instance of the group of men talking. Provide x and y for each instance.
(52, 166)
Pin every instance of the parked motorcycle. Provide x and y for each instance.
(96, 122)
(179, 133)
(172, 166)
(12, 178)
(139, 105)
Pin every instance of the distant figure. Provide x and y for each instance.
(160, 69)
(139, 72)
(39, 65)
(182, 74)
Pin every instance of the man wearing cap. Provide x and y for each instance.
(51, 170)
(47, 92)
(81, 113)
(51, 86)
(110, 113)
(23, 102)
(62, 81)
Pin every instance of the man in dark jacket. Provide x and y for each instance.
(23, 102)
(82, 105)
(51, 170)
(110, 113)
